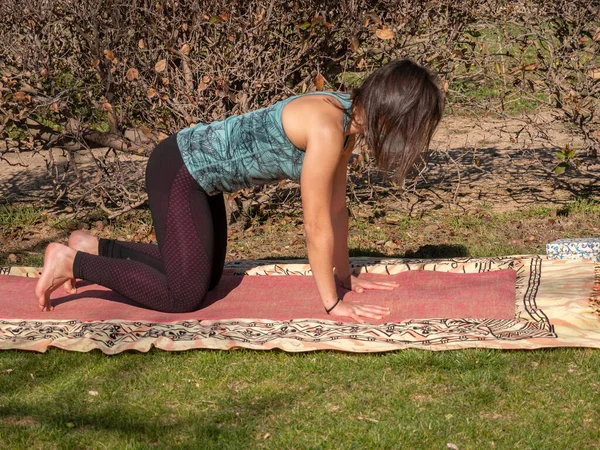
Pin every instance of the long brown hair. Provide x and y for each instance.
(400, 106)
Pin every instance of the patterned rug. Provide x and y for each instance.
(554, 305)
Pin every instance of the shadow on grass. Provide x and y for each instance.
(426, 251)
(134, 409)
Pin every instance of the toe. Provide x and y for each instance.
(69, 286)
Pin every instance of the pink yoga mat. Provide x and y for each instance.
(421, 295)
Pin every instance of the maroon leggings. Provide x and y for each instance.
(191, 230)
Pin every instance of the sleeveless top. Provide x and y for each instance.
(245, 150)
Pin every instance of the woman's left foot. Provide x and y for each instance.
(58, 268)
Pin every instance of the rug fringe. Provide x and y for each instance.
(595, 297)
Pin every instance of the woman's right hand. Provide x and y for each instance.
(359, 311)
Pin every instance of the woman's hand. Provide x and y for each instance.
(359, 285)
(359, 312)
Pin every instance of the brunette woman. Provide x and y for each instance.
(307, 137)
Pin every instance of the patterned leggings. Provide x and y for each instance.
(191, 230)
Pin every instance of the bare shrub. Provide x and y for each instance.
(124, 75)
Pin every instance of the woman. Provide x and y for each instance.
(309, 137)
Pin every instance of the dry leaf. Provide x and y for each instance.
(44, 73)
(54, 107)
(161, 65)
(94, 393)
(146, 131)
(151, 92)
(367, 419)
(319, 82)
(354, 44)
(95, 62)
(530, 67)
(109, 54)
(206, 79)
(594, 73)
(185, 27)
(132, 74)
(597, 35)
(267, 436)
(224, 16)
(202, 86)
(185, 49)
(107, 107)
(21, 96)
(384, 33)
(165, 81)
(141, 43)
(445, 85)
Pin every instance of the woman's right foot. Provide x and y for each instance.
(58, 268)
(80, 242)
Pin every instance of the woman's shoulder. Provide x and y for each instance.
(343, 97)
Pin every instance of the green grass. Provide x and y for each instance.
(62, 223)
(16, 217)
(582, 205)
(243, 399)
(250, 399)
(129, 224)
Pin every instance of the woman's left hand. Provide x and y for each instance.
(359, 285)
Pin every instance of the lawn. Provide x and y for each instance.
(471, 399)
(467, 399)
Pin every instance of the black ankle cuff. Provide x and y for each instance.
(105, 247)
(77, 272)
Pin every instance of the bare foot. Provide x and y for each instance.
(83, 242)
(58, 268)
(80, 242)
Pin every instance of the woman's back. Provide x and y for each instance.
(245, 150)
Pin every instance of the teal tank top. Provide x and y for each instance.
(245, 150)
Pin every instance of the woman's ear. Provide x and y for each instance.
(358, 119)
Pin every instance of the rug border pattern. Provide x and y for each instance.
(530, 322)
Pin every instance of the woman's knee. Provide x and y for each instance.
(186, 303)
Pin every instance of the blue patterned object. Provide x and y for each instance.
(245, 150)
(582, 248)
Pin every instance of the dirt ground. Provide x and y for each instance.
(473, 161)
(476, 164)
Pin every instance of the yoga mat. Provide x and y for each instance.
(554, 304)
(420, 295)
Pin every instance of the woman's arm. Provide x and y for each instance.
(321, 197)
(339, 214)
(316, 182)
